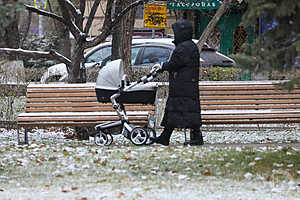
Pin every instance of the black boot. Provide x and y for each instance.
(164, 137)
(196, 137)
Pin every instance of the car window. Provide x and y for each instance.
(155, 54)
(99, 55)
(134, 55)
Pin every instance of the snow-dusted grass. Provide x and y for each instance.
(54, 168)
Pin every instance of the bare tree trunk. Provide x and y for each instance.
(127, 26)
(64, 42)
(61, 31)
(210, 27)
(11, 37)
(117, 33)
(77, 73)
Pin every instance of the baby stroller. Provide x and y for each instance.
(113, 86)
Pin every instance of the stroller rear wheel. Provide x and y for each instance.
(102, 139)
(139, 136)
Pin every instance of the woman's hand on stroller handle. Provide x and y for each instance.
(157, 67)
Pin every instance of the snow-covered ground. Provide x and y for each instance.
(56, 169)
(289, 135)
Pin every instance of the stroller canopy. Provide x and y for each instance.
(110, 76)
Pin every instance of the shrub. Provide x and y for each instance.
(33, 74)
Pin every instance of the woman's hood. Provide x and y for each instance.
(183, 30)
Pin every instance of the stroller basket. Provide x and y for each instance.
(115, 130)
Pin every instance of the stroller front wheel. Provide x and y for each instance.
(139, 136)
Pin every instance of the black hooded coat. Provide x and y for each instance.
(183, 104)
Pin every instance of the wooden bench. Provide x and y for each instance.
(223, 103)
(72, 105)
(248, 102)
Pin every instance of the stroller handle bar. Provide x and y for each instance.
(125, 87)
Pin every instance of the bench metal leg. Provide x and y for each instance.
(18, 135)
(25, 137)
(186, 142)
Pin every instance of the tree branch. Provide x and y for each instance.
(77, 33)
(91, 16)
(82, 6)
(125, 11)
(108, 23)
(36, 54)
(75, 12)
(45, 13)
(27, 28)
(213, 23)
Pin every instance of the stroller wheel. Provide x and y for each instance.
(151, 134)
(110, 139)
(101, 139)
(139, 136)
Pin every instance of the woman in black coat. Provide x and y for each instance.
(183, 105)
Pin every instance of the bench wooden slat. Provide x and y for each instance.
(79, 118)
(61, 90)
(258, 122)
(42, 95)
(80, 114)
(243, 102)
(250, 97)
(61, 85)
(248, 92)
(72, 124)
(82, 104)
(249, 117)
(69, 99)
(84, 109)
(239, 87)
(245, 107)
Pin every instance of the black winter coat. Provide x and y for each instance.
(183, 104)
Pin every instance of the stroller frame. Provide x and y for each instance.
(137, 135)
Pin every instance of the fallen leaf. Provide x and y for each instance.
(207, 172)
(52, 158)
(83, 198)
(65, 152)
(47, 187)
(42, 158)
(126, 158)
(121, 195)
(1, 190)
(101, 181)
(127, 152)
(104, 163)
(74, 188)
(65, 191)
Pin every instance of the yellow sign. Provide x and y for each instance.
(40, 4)
(155, 16)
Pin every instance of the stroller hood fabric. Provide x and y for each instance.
(108, 84)
(110, 77)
